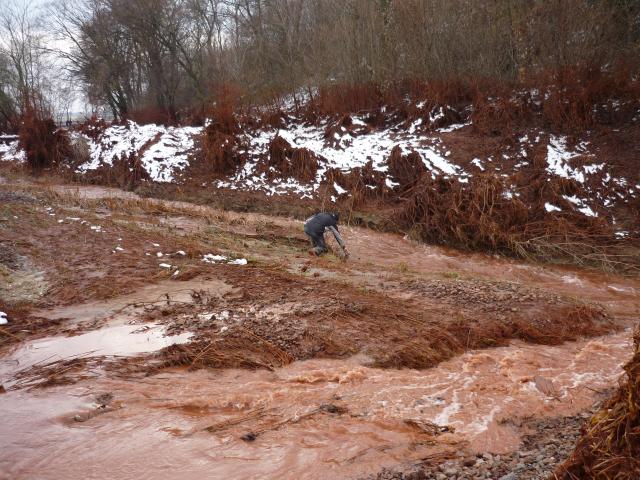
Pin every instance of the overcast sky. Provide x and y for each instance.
(39, 8)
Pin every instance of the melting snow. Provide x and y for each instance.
(451, 128)
(167, 148)
(238, 261)
(12, 152)
(478, 163)
(558, 157)
(581, 204)
(551, 208)
(210, 258)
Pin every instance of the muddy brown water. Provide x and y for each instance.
(161, 429)
(184, 424)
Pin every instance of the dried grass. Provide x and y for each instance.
(218, 150)
(583, 97)
(405, 169)
(238, 348)
(152, 114)
(92, 127)
(479, 215)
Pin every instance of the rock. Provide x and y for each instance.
(469, 462)
(104, 399)
(331, 408)
(249, 437)
(509, 476)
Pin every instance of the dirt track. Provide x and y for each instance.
(476, 339)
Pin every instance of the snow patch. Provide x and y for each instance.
(551, 208)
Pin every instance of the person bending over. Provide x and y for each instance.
(315, 227)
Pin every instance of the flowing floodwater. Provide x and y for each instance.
(313, 419)
(189, 424)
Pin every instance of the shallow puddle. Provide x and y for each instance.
(116, 340)
(120, 340)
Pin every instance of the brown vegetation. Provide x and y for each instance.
(288, 161)
(482, 215)
(218, 151)
(405, 169)
(349, 49)
(44, 144)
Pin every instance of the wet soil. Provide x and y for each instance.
(403, 352)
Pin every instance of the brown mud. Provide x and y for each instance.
(289, 366)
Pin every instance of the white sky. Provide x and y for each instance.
(78, 101)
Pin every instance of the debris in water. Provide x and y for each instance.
(249, 437)
(104, 399)
(546, 386)
(332, 408)
(429, 427)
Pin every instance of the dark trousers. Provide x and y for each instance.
(317, 241)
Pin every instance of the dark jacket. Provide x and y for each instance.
(315, 226)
